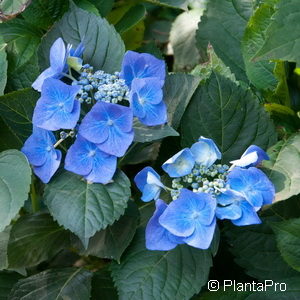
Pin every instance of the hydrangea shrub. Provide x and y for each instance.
(149, 149)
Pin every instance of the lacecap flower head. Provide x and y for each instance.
(202, 189)
(104, 127)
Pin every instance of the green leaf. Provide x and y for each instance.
(178, 91)
(34, 239)
(103, 286)
(283, 167)
(7, 281)
(279, 293)
(86, 208)
(224, 293)
(67, 283)
(15, 178)
(222, 25)
(228, 114)
(43, 13)
(4, 237)
(3, 67)
(103, 6)
(183, 39)
(16, 110)
(140, 152)
(104, 48)
(288, 240)
(255, 249)
(214, 63)
(23, 40)
(111, 242)
(24, 76)
(10, 8)
(132, 17)
(143, 133)
(283, 34)
(260, 73)
(88, 6)
(182, 4)
(176, 274)
(133, 38)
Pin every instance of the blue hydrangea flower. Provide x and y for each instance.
(142, 65)
(146, 99)
(234, 206)
(86, 159)
(253, 184)
(109, 126)
(205, 152)
(192, 217)
(180, 164)
(253, 156)
(157, 237)
(58, 58)
(41, 153)
(57, 107)
(148, 182)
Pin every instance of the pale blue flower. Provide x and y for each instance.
(148, 182)
(180, 164)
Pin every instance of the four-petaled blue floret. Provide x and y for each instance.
(57, 107)
(41, 153)
(109, 126)
(203, 191)
(86, 159)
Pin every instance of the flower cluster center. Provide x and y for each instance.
(202, 179)
(101, 86)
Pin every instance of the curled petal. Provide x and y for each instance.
(205, 152)
(180, 164)
(251, 157)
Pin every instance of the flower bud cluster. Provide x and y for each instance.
(101, 86)
(202, 179)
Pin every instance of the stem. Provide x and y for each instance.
(68, 76)
(34, 200)
(61, 140)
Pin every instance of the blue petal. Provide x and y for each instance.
(109, 126)
(57, 108)
(104, 168)
(78, 51)
(182, 215)
(249, 215)
(202, 236)
(253, 184)
(205, 152)
(78, 159)
(37, 146)
(229, 196)
(180, 164)
(47, 170)
(231, 212)
(253, 156)
(157, 237)
(58, 55)
(84, 158)
(155, 114)
(117, 142)
(142, 65)
(141, 178)
(150, 192)
(48, 73)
